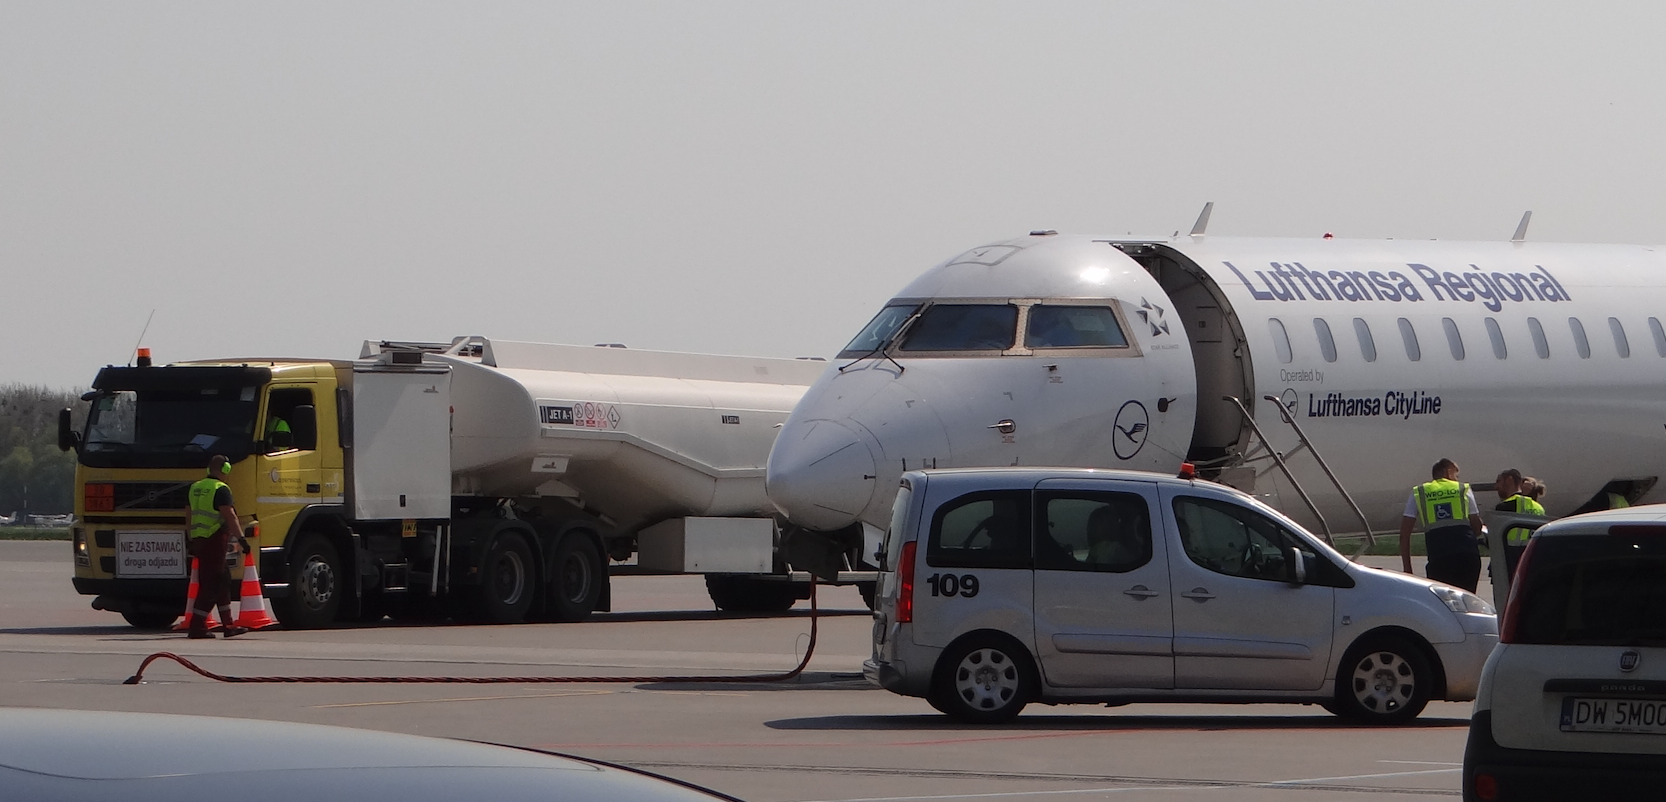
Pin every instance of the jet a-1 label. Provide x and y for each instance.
(580, 414)
(1392, 404)
(1291, 281)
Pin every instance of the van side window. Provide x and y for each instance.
(1496, 334)
(1540, 344)
(989, 529)
(1367, 345)
(1228, 539)
(1454, 340)
(1327, 343)
(1414, 352)
(1281, 340)
(1579, 342)
(1622, 346)
(1082, 530)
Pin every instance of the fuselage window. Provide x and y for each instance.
(1327, 343)
(1281, 340)
(1496, 334)
(1622, 346)
(1413, 351)
(1453, 339)
(963, 327)
(880, 330)
(1073, 327)
(1579, 342)
(1659, 336)
(1367, 345)
(1540, 344)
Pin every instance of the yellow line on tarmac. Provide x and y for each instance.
(469, 699)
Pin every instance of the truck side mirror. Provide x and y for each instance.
(303, 423)
(68, 438)
(1298, 570)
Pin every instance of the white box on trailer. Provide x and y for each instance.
(708, 546)
(401, 442)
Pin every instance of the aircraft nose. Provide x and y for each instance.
(820, 474)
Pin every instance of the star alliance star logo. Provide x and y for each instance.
(1152, 315)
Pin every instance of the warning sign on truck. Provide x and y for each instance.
(158, 554)
(582, 414)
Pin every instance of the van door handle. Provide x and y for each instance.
(1199, 594)
(1141, 592)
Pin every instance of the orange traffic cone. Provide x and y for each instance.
(184, 622)
(251, 608)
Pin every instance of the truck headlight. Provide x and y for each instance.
(1460, 602)
(81, 555)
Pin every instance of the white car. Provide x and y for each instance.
(1000, 587)
(1572, 703)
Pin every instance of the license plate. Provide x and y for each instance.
(1643, 716)
(158, 554)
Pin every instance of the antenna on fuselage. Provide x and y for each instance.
(1521, 230)
(1203, 219)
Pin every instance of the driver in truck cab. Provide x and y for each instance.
(212, 523)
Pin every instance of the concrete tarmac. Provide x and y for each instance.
(825, 736)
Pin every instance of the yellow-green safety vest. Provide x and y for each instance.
(1518, 535)
(1443, 503)
(205, 519)
(277, 425)
(1617, 502)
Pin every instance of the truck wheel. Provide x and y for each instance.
(149, 619)
(983, 679)
(507, 581)
(744, 594)
(576, 576)
(1383, 680)
(315, 585)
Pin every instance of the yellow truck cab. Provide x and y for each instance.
(150, 433)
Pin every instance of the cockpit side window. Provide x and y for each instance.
(963, 327)
(1073, 327)
(880, 330)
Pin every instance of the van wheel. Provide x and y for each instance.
(1383, 680)
(576, 576)
(315, 585)
(983, 679)
(507, 580)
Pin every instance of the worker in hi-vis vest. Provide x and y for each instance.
(1511, 499)
(1451, 528)
(212, 523)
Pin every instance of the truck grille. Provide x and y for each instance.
(151, 495)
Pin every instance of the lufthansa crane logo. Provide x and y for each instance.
(1132, 425)
(1152, 315)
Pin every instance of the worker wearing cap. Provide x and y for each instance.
(212, 523)
(1511, 499)
(1451, 525)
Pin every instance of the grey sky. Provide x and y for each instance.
(747, 177)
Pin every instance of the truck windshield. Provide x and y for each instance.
(169, 428)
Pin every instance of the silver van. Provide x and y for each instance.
(1004, 586)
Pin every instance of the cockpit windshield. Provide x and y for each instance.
(1073, 327)
(879, 331)
(963, 327)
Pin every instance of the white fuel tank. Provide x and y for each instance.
(637, 436)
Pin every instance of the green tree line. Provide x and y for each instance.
(35, 477)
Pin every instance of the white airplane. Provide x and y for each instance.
(1078, 351)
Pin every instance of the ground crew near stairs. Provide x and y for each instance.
(1451, 524)
(1512, 499)
(212, 523)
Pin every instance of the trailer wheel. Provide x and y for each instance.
(315, 585)
(576, 576)
(507, 581)
(149, 619)
(744, 594)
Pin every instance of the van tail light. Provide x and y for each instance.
(1518, 585)
(905, 586)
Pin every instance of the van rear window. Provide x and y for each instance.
(1595, 591)
(990, 529)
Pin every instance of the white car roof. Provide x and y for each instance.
(1598, 523)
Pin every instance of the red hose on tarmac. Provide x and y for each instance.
(809, 650)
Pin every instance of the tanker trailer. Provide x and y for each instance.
(488, 479)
